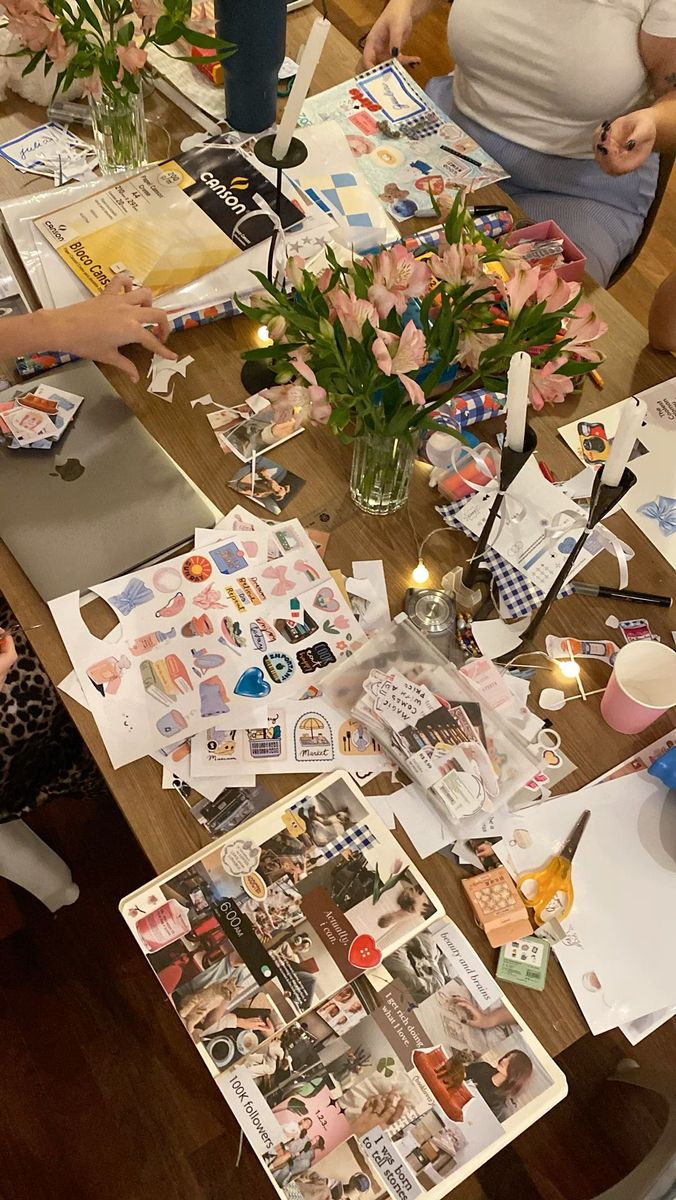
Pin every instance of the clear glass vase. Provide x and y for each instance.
(381, 472)
(118, 122)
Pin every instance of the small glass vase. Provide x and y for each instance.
(118, 123)
(382, 468)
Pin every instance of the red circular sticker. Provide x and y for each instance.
(196, 568)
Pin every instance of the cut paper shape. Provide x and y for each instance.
(662, 510)
(278, 666)
(134, 594)
(252, 684)
(213, 697)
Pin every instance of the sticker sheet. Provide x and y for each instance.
(406, 146)
(300, 735)
(394, 1086)
(271, 921)
(208, 636)
(651, 503)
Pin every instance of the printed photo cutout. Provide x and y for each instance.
(258, 433)
(267, 483)
(232, 808)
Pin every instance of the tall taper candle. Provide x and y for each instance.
(301, 85)
(629, 428)
(518, 379)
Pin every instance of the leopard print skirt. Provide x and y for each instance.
(42, 756)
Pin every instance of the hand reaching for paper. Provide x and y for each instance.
(97, 328)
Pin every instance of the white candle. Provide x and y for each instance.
(301, 86)
(629, 428)
(518, 379)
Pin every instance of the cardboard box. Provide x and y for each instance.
(575, 263)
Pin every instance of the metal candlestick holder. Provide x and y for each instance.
(603, 500)
(256, 376)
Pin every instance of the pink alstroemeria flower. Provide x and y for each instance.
(277, 328)
(584, 327)
(93, 85)
(352, 312)
(31, 21)
(150, 12)
(555, 291)
(397, 278)
(131, 58)
(398, 355)
(58, 49)
(519, 288)
(294, 270)
(458, 264)
(546, 387)
(472, 345)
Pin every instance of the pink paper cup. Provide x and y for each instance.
(641, 688)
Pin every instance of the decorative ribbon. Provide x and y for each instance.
(609, 541)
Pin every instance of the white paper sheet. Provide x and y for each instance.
(617, 954)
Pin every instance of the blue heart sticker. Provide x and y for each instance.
(252, 683)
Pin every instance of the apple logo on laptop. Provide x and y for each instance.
(69, 471)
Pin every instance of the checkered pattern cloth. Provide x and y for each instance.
(517, 595)
(359, 838)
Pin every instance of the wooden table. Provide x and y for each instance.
(160, 820)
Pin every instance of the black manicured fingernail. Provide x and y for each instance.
(605, 125)
(394, 51)
(604, 135)
(631, 144)
(602, 149)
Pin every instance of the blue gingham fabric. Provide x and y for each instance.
(517, 595)
(359, 838)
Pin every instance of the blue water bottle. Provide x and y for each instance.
(257, 29)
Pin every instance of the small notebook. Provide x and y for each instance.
(406, 146)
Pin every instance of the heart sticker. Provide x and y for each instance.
(252, 684)
(326, 600)
(363, 953)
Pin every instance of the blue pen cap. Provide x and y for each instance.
(664, 768)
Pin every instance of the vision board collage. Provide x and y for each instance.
(360, 1042)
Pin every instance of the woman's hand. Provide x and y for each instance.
(623, 145)
(97, 328)
(260, 1024)
(7, 657)
(389, 34)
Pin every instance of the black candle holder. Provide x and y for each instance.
(603, 500)
(256, 376)
(511, 463)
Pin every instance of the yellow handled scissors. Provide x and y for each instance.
(554, 881)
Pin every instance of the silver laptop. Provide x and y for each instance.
(102, 501)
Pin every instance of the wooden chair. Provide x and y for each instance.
(665, 168)
(655, 1177)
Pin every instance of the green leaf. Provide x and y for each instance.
(125, 34)
(205, 40)
(34, 63)
(88, 12)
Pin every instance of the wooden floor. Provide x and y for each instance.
(103, 1097)
(658, 257)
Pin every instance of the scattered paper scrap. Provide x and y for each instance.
(161, 373)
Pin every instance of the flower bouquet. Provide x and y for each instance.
(367, 346)
(102, 46)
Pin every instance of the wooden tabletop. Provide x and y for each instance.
(160, 820)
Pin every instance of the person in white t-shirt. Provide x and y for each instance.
(533, 83)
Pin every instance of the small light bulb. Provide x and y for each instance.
(263, 333)
(569, 668)
(420, 573)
